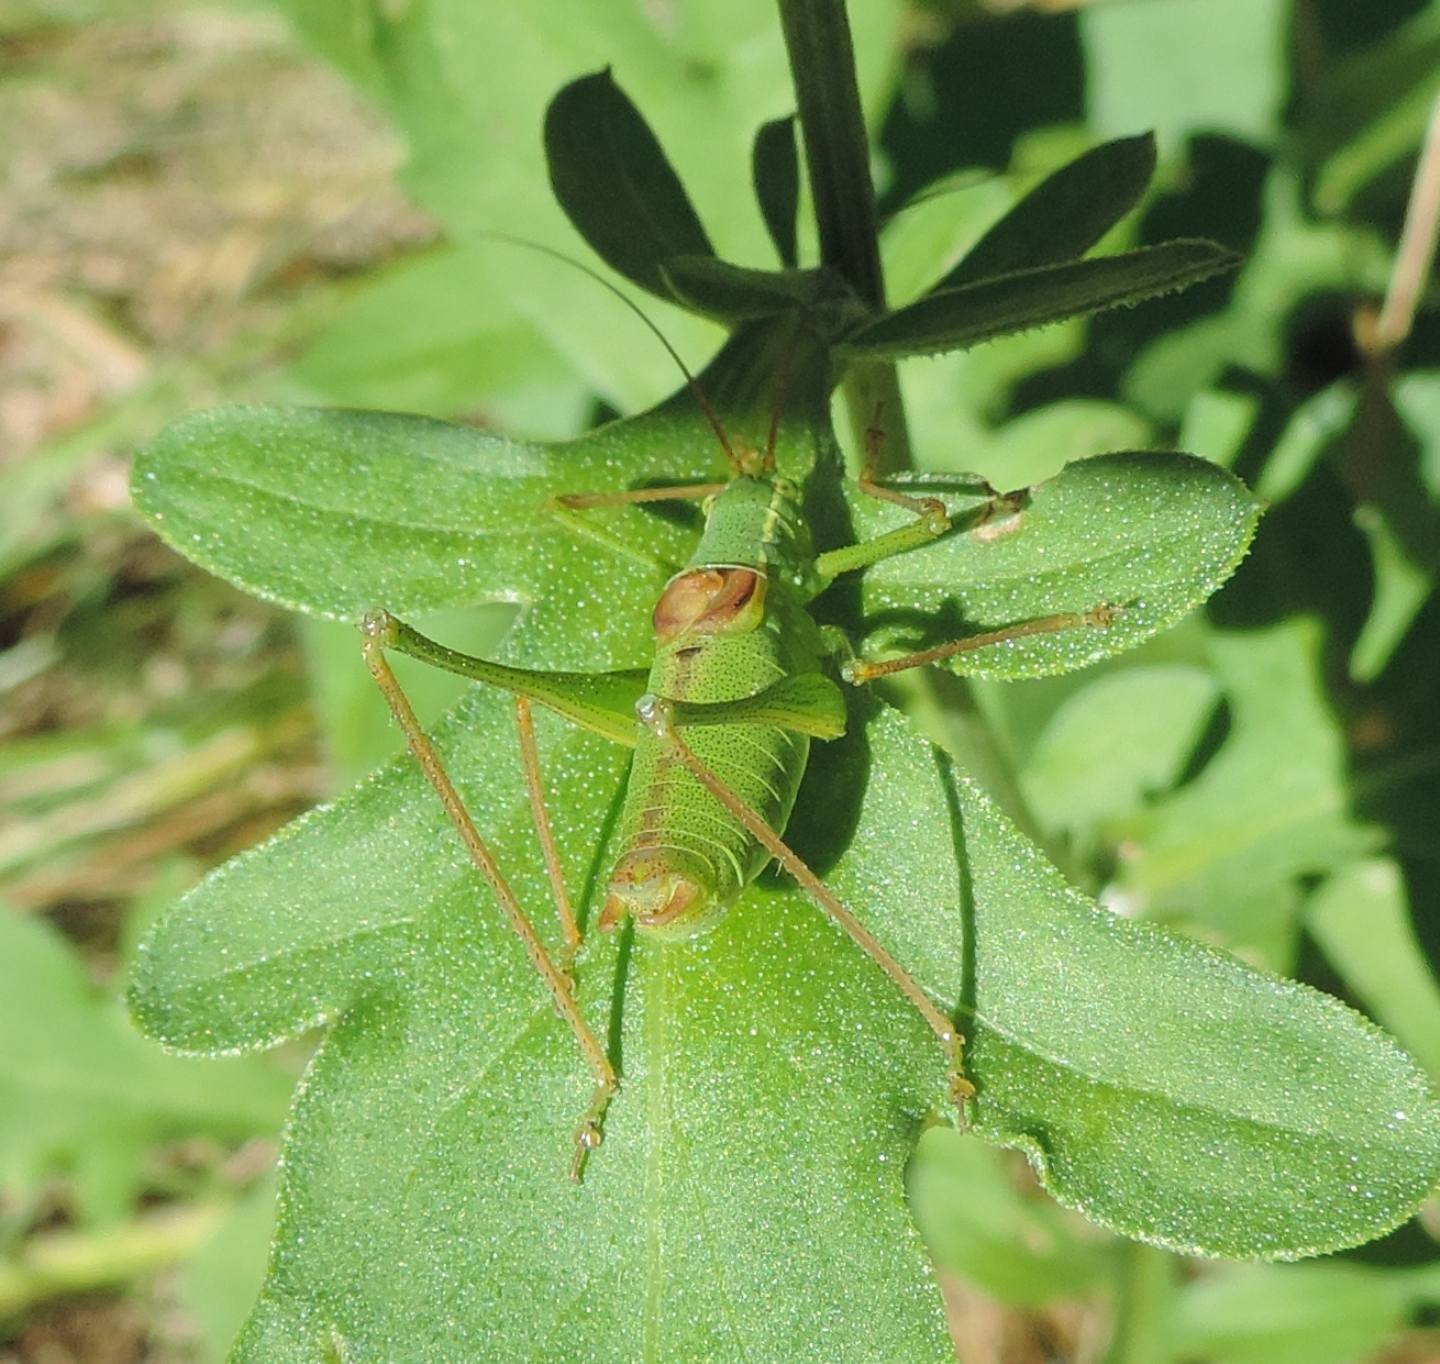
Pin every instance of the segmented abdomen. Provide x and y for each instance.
(684, 857)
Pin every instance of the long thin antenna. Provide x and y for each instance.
(639, 312)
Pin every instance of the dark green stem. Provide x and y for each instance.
(837, 155)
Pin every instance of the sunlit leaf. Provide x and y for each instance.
(1151, 535)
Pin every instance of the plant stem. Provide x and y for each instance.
(1416, 253)
(837, 155)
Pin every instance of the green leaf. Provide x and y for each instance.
(1272, 805)
(611, 177)
(1399, 511)
(1164, 1089)
(218, 1284)
(1362, 921)
(1294, 260)
(931, 231)
(952, 319)
(1290, 1314)
(1065, 214)
(1038, 444)
(434, 335)
(1152, 534)
(771, 1080)
(82, 1094)
(336, 513)
(1369, 111)
(775, 170)
(1402, 587)
(1183, 68)
(732, 293)
(1314, 428)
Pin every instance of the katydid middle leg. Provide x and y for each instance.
(378, 629)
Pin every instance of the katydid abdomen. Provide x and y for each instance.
(730, 625)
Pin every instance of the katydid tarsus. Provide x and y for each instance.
(743, 679)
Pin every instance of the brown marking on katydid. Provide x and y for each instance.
(709, 601)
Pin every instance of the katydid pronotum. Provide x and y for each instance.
(743, 679)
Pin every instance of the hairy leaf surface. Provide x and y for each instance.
(963, 316)
(1152, 535)
(1157, 1085)
(450, 1084)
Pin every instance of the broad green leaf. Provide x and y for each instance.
(1065, 214)
(1019, 1249)
(336, 513)
(84, 1096)
(1151, 534)
(775, 171)
(774, 1080)
(748, 1201)
(1115, 742)
(1362, 920)
(1164, 1089)
(611, 177)
(955, 318)
(1182, 68)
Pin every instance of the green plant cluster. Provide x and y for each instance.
(1263, 779)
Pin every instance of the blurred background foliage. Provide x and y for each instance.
(283, 203)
